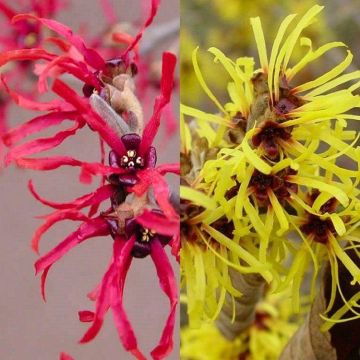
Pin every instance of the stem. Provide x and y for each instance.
(252, 288)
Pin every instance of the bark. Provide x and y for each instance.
(252, 288)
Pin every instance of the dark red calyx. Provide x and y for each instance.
(260, 320)
(118, 66)
(224, 226)
(328, 207)
(284, 106)
(269, 136)
(318, 228)
(261, 184)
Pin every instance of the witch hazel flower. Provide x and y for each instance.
(139, 224)
(24, 35)
(251, 184)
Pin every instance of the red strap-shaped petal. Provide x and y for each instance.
(40, 145)
(38, 124)
(51, 163)
(51, 220)
(47, 163)
(126, 333)
(169, 168)
(167, 84)
(91, 56)
(109, 12)
(90, 229)
(30, 104)
(168, 284)
(64, 356)
(122, 250)
(25, 54)
(43, 282)
(86, 316)
(7, 11)
(95, 197)
(151, 177)
(153, 11)
(91, 117)
(158, 223)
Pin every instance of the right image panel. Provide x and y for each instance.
(270, 200)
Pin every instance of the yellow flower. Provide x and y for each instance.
(276, 164)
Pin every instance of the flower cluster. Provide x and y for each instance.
(140, 216)
(270, 178)
(23, 35)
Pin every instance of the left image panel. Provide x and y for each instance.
(89, 166)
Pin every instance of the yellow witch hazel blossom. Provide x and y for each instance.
(265, 339)
(265, 187)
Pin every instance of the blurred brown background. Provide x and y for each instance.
(31, 329)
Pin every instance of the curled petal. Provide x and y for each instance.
(26, 103)
(122, 250)
(168, 284)
(43, 282)
(154, 8)
(25, 54)
(48, 163)
(98, 196)
(53, 219)
(69, 65)
(91, 56)
(95, 227)
(37, 124)
(40, 145)
(124, 328)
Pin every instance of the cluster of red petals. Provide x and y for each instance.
(108, 294)
(22, 35)
(74, 57)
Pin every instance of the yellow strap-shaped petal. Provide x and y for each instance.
(279, 213)
(338, 224)
(274, 52)
(197, 197)
(334, 83)
(345, 259)
(316, 184)
(198, 114)
(260, 42)
(333, 73)
(202, 81)
(253, 158)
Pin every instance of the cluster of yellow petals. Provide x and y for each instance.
(321, 153)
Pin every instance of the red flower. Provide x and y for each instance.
(109, 293)
(130, 174)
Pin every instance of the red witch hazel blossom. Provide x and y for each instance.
(23, 35)
(139, 225)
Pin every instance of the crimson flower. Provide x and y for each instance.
(109, 107)
(23, 35)
(143, 235)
